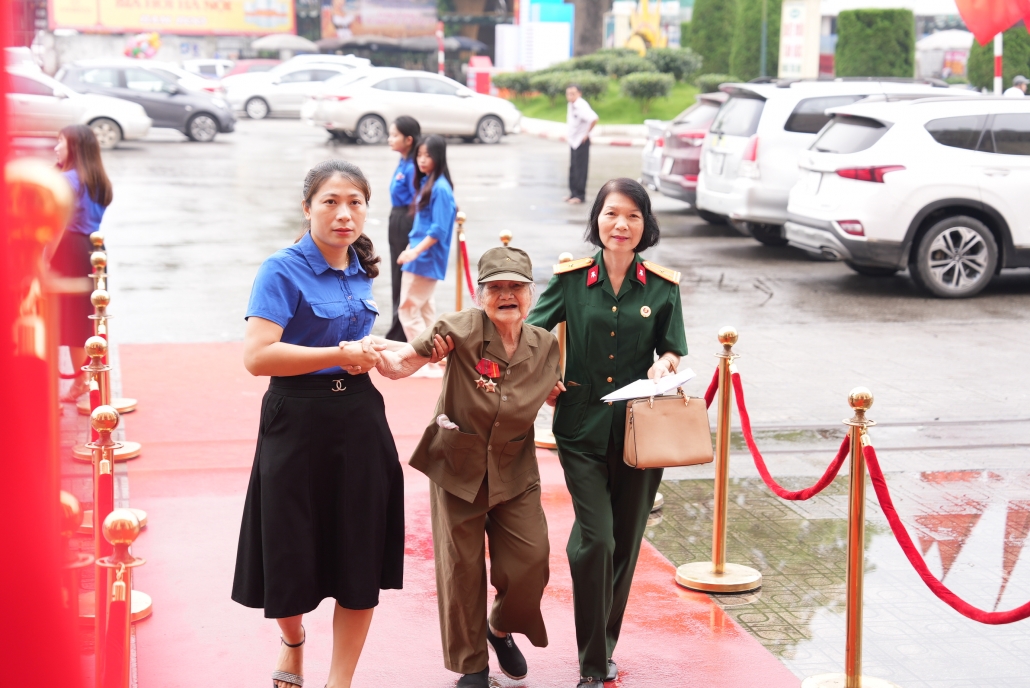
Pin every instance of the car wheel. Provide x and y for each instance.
(769, 235)
(712, 218)
(371, 129)
(257, 108)
(871, 270)
(107, 131)
(202, 127)
(490, 130)
(956, 258)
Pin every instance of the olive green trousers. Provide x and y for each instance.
(612, 502)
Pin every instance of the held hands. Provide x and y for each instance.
(361, 356)
(552, 398)
(441, 348)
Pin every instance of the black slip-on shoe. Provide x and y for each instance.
(480, 679)
(613, 671)
(512, 662)
(590, 682)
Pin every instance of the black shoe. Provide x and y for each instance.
(479, 679)
(513, 664)
(590, 682)
(613, 671)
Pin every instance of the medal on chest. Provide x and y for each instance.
(487, 369)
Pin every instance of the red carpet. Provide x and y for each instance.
(198, 422)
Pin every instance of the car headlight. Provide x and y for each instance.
(220, 103)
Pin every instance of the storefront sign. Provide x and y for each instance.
(222, 17)
(389, 18)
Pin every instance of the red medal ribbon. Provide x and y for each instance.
(488, 368)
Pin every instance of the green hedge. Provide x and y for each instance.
(553, 84)
(621, 66)
(876, 43)
(516, 82)
(711, 28)
(682, 63)
(685, 34)
(1016, 59)
(746, 48)
(709, 83)
(646, 86)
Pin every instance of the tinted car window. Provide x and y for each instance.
(437, 87)
(142, 80)
(323, 74)
(849, 135)
(104, 76)
(404, 83)
(699, 115)
(957, 132)
(298, 76)
(738, 117)
(810, 116)
(1011, 134)
(22, 84)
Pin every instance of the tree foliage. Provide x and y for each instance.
(1015, 59)
(553, 84)
(709, 83)
(711, 27)
(876, 43)
(746, 47)
(621, 66)
(646, 86)
(516, 82)
(682, 63)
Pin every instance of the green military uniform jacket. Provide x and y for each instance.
(610, 341)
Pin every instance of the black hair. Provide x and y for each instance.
(636, 193)
(409, 126)
(436, 148)
(319, 175)
(575, 86)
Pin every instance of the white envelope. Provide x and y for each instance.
(650, 388)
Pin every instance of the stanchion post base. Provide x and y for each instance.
(86, 527)
(841, 681)
(128, 450)
(142, 606)
(735, 577)
(121, 405)
(545, 439)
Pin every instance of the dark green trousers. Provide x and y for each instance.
(612, 502)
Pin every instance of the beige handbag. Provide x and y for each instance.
(667, 431)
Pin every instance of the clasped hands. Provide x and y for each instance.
(361, 355)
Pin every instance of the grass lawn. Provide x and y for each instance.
(614, 107)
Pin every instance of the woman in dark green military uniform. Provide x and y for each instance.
(620, 311)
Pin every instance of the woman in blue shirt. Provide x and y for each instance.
(78, 156)
(424, 262)
(324, 515)
(404, 135)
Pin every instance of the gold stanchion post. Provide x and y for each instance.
(98, 370)
(121, 528)
(98, 259)
(718, 575)
(74, 562)
(861, 400)
(459, 270)
(101, 299)
(506, 236)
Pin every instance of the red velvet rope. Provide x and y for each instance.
(115, 652)
(807, 493)
(916, 559)
(468, 273)
(94, 401)
(713, 387)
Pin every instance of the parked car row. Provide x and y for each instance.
(283, 89)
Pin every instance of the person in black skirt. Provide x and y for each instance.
(324, 514)
(404, 136)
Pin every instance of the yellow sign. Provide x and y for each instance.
(223, 17)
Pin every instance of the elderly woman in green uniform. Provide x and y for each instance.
(480, 455)
(620, 312)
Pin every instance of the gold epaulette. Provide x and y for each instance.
(571, 265)
(665, 273)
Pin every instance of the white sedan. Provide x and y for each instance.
(363, 107)
(42, 106)
(280, 91)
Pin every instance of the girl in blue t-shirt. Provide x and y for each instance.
(404, 135)
(424, 262)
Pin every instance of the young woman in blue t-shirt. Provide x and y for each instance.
(424, 262)
(404, 135)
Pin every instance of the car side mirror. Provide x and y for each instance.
(276, 80)
(60, 94)
(464, 93)
(171, 89)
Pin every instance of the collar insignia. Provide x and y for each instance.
(592, 275)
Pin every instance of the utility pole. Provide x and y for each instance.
(765, 37)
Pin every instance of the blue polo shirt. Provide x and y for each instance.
(435, 220)
(402, 186)
(316, 305)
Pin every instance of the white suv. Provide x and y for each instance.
(938, 186)
(749, 158)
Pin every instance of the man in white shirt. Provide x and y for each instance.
(1018, 88)
(581, 119)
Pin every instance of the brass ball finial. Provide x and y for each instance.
(98, 259)
(460, 218)
(565, 257)
(71, 514)
(861, 399)
(728, 335)
(104, 419)
(506, 236)
(97, 239)
(100, 298)
(96, 347)
(121, 527)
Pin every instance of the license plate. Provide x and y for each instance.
(715, 163)
(811, 182)
(667, 166)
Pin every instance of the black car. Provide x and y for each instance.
(197, 114)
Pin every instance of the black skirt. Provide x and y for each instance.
(71, 259)
(324, 515)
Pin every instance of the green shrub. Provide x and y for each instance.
(709, 83)
(682, 63)
(876, 43)
(646, 86)
(685, 34)
(516, 82)
(1015, 59)
(711, 28)
(746, 47)
(617, 52)
(621, 66)
(553, 84)
(598, 64)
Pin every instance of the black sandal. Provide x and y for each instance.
(286, 676)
